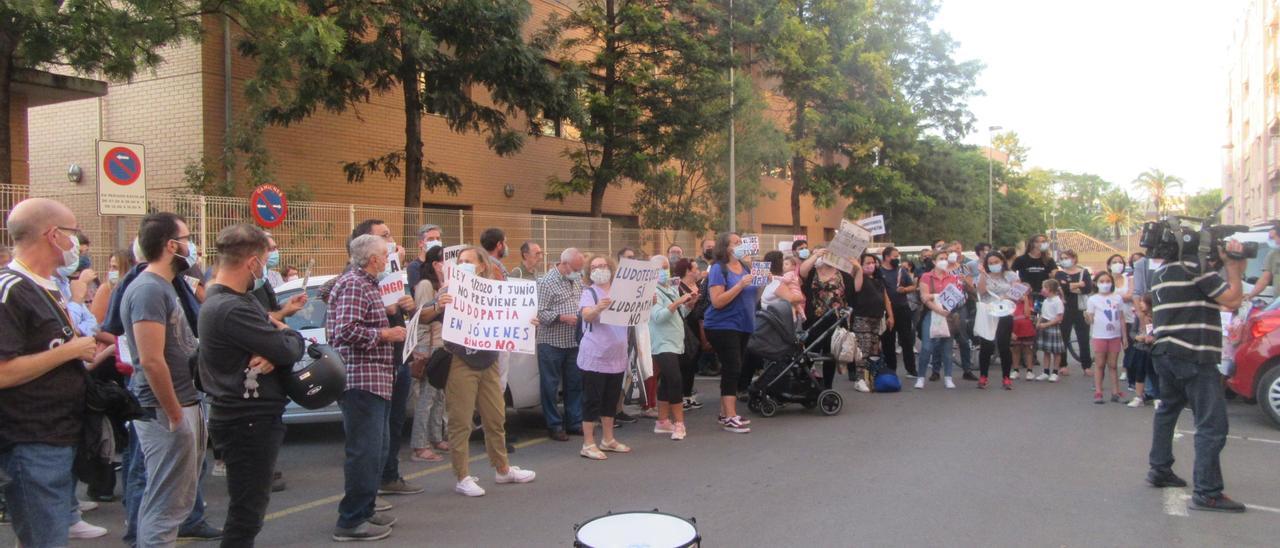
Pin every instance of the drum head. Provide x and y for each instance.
(653, 529)
(1002, 308)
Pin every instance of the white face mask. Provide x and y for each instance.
(1044, 246)
(71, 257)
(1104, 288)
(1117, 268)
(1067, 263)
(601, 276)
(941, 264)
(995, 268)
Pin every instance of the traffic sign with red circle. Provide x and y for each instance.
(268, 206)
(122, 166)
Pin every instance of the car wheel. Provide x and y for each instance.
(1269, 394)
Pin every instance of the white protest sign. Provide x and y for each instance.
(752, 242)
(785, 247)
(950, 298)
(411, 335)
(632, 293)
(874, 224)
(760, 273)
(489, 314)
(1018, 291)
(450, 254)
(392, 287)
(849, 243)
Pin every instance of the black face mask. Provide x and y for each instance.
(893, 263)
(707, 254)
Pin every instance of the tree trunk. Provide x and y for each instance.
(604, 174)
(799, 174)
(413, 180)
(6, 77)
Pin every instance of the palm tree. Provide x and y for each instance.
(1118, 210)
(1157, 185)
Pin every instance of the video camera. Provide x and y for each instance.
(1176, 237)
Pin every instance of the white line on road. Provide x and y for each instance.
(1175, 503)
(1229, 436)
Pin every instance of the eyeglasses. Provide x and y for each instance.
(181, 238)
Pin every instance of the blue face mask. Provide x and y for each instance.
(803, 253)
(67, 271)
(273, 259)
(741, 251)
(259, 281)
(468, 268)
(664, 276)
(573, 276)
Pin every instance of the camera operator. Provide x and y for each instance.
(1187, 349)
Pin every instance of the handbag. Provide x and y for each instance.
(984, 324)
(844, 346)
(938, 328)
(437, 368)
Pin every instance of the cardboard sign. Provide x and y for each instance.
(760, 273)
(847, 246)
(411, 335)
(490, 314)
(753, 245)
(874, 225)
(1018, 291)
(632, 293)
(950, 298)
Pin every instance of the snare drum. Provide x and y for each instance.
(633, 529)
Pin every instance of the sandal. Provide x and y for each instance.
(441, 446)
(425, 455)
(592, 452)
(615, 446)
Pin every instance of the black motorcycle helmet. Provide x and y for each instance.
(318, 379)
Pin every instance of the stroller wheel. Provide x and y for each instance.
(753, 404)
(830, 402)
(768, 408)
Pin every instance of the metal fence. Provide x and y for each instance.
(319, 230)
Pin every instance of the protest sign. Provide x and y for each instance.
(847, 246)
(753, 245)
(1018, 290)
(799, 237)
(874, 224)
(450, 254)
(760, 273)
(785, 247)
(632, 293)
(411, 335)
(392, 287)
(950, 298)
(490, 314)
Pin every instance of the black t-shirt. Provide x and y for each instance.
(1032, 271)
(50, 408)
(869, 303)
(894, 278)
(1069, 299)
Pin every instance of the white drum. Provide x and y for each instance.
(637, 529)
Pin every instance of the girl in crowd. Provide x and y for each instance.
(1144, 372)
(871, 308)
(825, 288)
(933, 283)
(729, 322)
(686, 271)
(1104, 314)
(602, 357)
(475, 386)
(666, 336)
(1077, 284)
(428, 410)
(1050, 333)
(1117, 266)
(120, 263)
(1024, 338)
(994, 286)
(791, 279)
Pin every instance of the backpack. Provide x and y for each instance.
(583, 327)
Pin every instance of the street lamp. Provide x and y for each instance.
(991, 208)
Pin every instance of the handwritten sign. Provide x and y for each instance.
(760, 273)
(752, 242)
(490, 314)
(632, 293)
(785, 247)
(847, 246)
(411, 335)
(950, 298)
(874, 224)
(1018, 290)
(799, 237)
(450, 254)
(392, 288)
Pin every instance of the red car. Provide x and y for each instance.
(1257, 363)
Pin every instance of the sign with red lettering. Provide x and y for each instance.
(392, 287)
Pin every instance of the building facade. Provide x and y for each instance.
(1251, 168)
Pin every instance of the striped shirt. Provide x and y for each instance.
(1187, 322)
(355, 319)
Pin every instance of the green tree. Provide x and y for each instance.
(1009, 143)
(652, 84)
(1202, 203)
(1157, 184)
(114, 39)
(1119, 211)
(433, 52)
(1075, 199)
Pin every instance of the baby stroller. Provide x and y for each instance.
(790, 356)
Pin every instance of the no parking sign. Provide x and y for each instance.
(268, 206)
(122, 180)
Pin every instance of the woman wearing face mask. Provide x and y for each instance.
(871, 308)
(666, 337)
(428, 409)
(994, 286)
(120, 263)
(1104, 314)
(931, 284)
(729, 321)
(1077, 285)
(686, 271)
(602, 357)
(1035, 265)
(826, 288)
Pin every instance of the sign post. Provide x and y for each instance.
(122, 178)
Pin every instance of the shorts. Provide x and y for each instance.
(1106, 346)
(600, 394)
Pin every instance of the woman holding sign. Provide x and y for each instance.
(729, 322)
(826, 288)
(936, 340)
(602, 357)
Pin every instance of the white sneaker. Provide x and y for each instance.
(946, 381)
(514, 474)
(83, 530)
(1135, 402)
(1043, 377)
(1053, 377)
(219, 469)
(1155, 404)
(663, 427)
(87, 506)
(1030, 376)
(469, 487)
(1124, 375)
(920, 382)
(861, 386)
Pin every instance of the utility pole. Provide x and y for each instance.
(733, 168)
(991, 208)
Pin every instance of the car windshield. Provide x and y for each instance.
(311, 316)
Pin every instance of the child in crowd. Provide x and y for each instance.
(1104, 312)
(1050, 335)
(1024, 338)
(1144, 372)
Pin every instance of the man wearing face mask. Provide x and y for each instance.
(704, 260)
(899, 283)
(428, 237)
(238, 341)
(274, 279)
(675, 253)
(559, 292)
(1270, 266)
(172, 435)
(801, 249)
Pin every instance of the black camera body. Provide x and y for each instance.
(1175, 238)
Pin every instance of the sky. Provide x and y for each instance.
(1110, 87)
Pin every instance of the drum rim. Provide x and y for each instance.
(692, 521)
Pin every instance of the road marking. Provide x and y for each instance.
(1229, 436)
(1175, 502)
(421, 473)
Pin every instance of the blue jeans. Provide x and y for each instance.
(39, 497)
(557, 365)
(395, 422)
(366, 423)
(1184, 383)
(932, 349)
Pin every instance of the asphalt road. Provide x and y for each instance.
(1039, 466)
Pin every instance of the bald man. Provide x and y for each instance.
(42, 379)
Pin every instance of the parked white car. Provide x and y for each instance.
(521, 370)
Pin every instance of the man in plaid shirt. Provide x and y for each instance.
(357, 326)
(559, 292)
